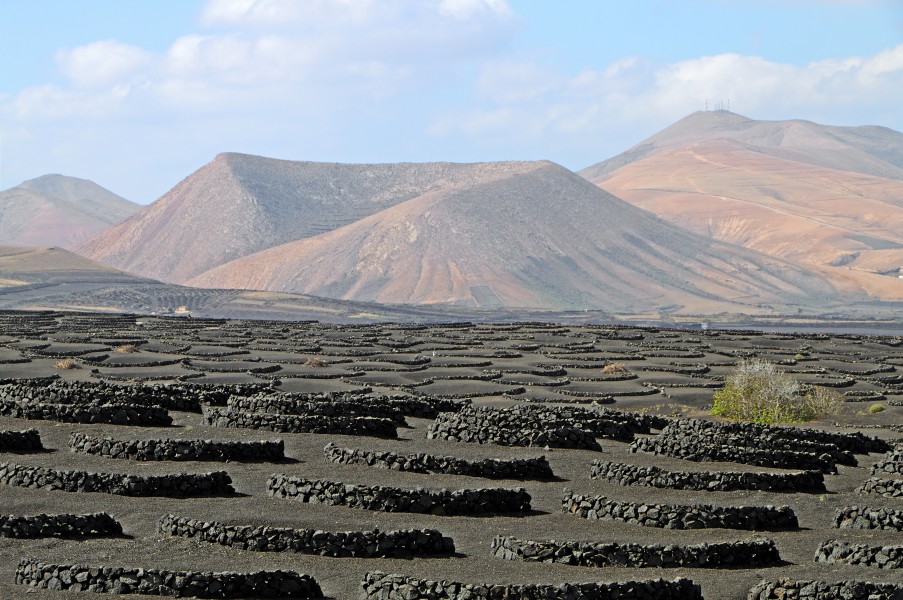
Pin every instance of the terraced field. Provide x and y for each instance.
(504, 455)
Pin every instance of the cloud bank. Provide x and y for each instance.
(368, 80)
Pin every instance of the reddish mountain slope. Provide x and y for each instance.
(55, 210)
(828, 197)
(541, 237)
(239, 204)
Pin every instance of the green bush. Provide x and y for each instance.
(758, 391)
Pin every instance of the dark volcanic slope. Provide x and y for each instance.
(429, 364)
(540, 238)
(55, 279)
(239, 204)
(23, 265)
(55, 210)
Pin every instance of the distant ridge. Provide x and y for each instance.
(867, 149)
(54, 279)
(827, 197)
(539, 238)
(239, 204)
(56, 210)
(21, 265)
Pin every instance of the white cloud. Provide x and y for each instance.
(282, 13)
(632, 90)
(888, 62)
(238, 59)
(100, 63)
(509, 81)
(335, 51)
(48, 102)
(466, 9)
(366, 79)
(338, 13)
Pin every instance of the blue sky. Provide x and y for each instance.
(137, 94)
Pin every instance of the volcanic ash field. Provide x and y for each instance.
(218, 458)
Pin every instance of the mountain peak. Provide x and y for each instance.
(239, 204)
(824, 196)
(720, 116)
(49, 178)
(64, 187)
(540, 238)
(58, 210)
(875, 151)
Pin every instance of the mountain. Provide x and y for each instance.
(869, 149)
(539, 237)
(55, 210)
(827, 197)
(239, 204)
(33, 265)
(55, 279)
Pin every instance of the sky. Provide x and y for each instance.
(136, 95)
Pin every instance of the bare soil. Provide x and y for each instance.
(580, 351)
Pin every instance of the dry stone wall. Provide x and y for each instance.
(156, 582)
(636, 422)
(696, 450)
(624, 474)
(381, 586)
(216, 483)
(599, 422)
(500, 426)
(676, 516)
(361, 544)
(863, 517)
(62, 525)
(395, 499)
(383, 428)
(172, 396)
(703, 441)
(740, 554)
(783, 589)
(286, 404)
(606, 423)
(881, 557)
(746, 435)
(394, 407)
(28, 440)
(892, 488)
(787, 437)
(424, 406)
(212, 394)
(489, 468)
(114, 414)
(172, 449)
(890, 463)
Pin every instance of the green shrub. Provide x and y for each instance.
(758, 391)
(875, 408)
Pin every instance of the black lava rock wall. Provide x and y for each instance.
(394, 499)
(675, 516)
(361, 544)
(170, 449)
(489, 468)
